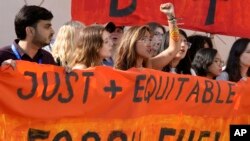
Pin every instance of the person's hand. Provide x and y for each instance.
(9, 63)
(168, 9)
(67, 69)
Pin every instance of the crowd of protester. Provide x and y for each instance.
(78, 46)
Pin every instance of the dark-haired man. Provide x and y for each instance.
(34, 30)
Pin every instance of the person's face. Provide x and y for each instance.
(116, 35)
(43, 33)
(184, 47)
(143, 46)
(157, 40)
(216, 67)
(106, 49)
(206, 45)
(245, 57)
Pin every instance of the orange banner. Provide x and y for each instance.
(227, 17)
(43, 102)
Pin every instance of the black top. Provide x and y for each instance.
(42, 56)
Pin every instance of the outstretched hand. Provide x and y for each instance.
(168, 9)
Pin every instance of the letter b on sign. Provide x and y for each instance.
(239, 132)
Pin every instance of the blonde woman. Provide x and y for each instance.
(135, 46)
(67, 40)
(96, 46)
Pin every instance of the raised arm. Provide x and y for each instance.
(162, 59)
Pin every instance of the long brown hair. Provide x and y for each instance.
(88, 53)
(126, 55)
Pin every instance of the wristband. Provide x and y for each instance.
(171, 17)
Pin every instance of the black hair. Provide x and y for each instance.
(181, 67)
(233, 62)
(197, 42)
(30, 16)
(202, 60)
(154, 25)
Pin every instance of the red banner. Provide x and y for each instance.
(44, 102)
(229, 17)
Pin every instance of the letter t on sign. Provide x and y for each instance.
(211, 13)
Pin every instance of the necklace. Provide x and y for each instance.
(26, 3)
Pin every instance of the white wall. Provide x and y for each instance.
(9, 8)
(62, 13)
